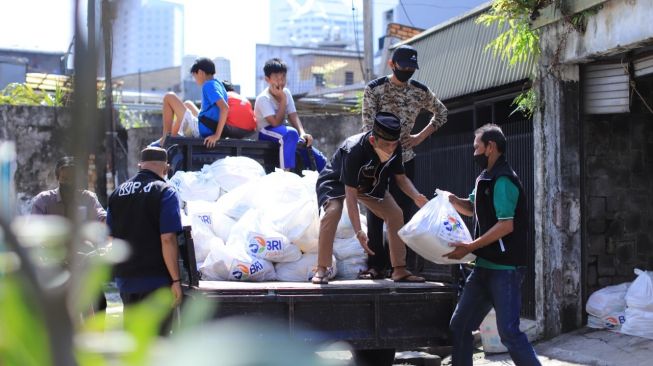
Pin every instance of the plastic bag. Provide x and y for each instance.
(236, 202)
(433, 227)
(234, 171)
(608, 300)
(348, 269)
(258, 236)
(308, 240)
(195, 186)
(345, 229)
(292, 219)
(207, 214)
(348, 248)
(234, 264)
(297, 271)
(640, 292)
(638, 322)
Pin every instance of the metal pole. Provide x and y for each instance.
(108, 127)
(368, 45)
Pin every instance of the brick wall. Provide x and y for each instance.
(618, 193)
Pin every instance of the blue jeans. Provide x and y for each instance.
(484, 289)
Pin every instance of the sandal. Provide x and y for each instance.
(370, 274)
(321, 277)
(410, 278)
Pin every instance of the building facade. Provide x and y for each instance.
(147, 35)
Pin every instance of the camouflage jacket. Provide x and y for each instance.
(406, 102)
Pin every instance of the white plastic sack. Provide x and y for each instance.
(207, 213)
(640, 293)
(608, 300)
(195, 186)
(236, 202)
(348, 248)
(433, 227)
(234, 171)
(258, 236)
(233, 264)
(638, 322)
(348, 269)
(345, 229)
(293, 218)
(308, 241)
(297, 271)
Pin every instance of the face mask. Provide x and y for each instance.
(383, 156)
(66, 190)
(481, 160)
(403, 75)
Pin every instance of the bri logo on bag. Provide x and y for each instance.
(258, 244)
(205, 218)
(452, 225)
(612, 322)
(243, 272)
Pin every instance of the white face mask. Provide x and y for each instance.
(383, 156)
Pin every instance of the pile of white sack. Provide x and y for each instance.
(249, 226)
(627, 308)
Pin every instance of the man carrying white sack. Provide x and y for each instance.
(498, 204)
(359, 172)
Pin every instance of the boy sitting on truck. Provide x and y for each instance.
(359, 172)
(271, 108)
(210, 121)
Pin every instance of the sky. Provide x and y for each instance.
(213, 28)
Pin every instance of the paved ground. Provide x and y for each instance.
(583, 347)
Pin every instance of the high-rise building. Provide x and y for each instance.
(147, 35)
(316, 23)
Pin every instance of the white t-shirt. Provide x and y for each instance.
(266, 105)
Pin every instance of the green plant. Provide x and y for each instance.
(517, 42)
(358, 107)
(23, 94)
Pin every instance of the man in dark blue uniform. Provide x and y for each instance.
(498, 204)
(359, 172)
(144, 211)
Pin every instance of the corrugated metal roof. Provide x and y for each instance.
(453, 61)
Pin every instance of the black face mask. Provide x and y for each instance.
(481, 160)
(403, 75)
(66, 190)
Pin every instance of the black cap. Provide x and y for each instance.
(405, 56)
(386, 126)
(151, 153)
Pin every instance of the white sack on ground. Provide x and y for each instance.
(255, 234)
(433, 227)
(640, 292)
(195, 186)
(234, 171)
(348, 269)
(234, 264)
(606, 307)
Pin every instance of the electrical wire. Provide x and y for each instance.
(405, 12)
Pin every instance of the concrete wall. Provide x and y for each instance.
(618, 26)
(41, 139)
(618, 156)
(559, 139)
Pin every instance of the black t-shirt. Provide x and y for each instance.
(356, 164)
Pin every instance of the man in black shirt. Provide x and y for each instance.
(359, 172)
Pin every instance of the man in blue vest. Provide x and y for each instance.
(498, 204)
(144, 211)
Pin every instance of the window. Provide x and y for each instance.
(319, 80)
(349, 77)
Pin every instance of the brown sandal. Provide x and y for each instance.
(321, 277)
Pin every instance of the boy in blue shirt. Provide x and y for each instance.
(209, 122)
(271, 108)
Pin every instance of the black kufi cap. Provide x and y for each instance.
(154, 154)
(386, 126)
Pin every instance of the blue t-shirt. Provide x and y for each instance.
(212, 91)
(169, 222)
